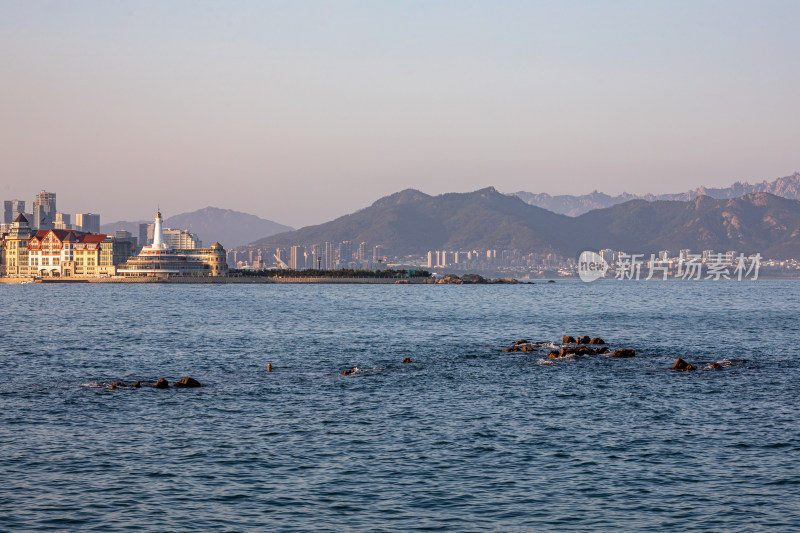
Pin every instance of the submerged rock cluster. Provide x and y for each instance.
(584, 345)
(162, 383)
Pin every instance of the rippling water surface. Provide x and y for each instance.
(465, 438)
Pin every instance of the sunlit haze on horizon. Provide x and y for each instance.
(300, 112)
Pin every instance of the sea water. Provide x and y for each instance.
(464, 438)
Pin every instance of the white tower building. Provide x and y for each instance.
(158, 236)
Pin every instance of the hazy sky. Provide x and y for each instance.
(302, 111)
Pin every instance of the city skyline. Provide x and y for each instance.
(268, 106)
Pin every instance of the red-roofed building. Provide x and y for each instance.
(67, 253)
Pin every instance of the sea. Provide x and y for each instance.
(466, 437)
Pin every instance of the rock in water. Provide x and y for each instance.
(473, 278)
(407, 360)
(566, 339)
(682, 365)
(585, 339)
(623, 353)
(597, 340)
(186, 382)
(162, 384)
(137, 385)
(716, 366)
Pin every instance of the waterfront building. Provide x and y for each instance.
(15, 248)
(67, 253)
(87, 222)
(159, 259)
(12, 208)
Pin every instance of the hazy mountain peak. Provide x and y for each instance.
(785, 187)
(226, 226)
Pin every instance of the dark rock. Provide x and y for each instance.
(269, 367)
(521, 341)
(682, 365)
(567, 339)
(137, 385)
(112, 386)
(407, 360)
(513, 348)
(585, 339)
(503, 280)
(716, 366)
(473, 278)
(162, 384)
(597, 340)
(551, 281)
(623, 353)
(186, 382)
(527, 348)
(349, 372)
(118, 384)
(552, 355)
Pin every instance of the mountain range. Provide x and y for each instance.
(231, 228)
(786, 187)
(411, 222)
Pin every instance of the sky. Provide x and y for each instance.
(301, 111)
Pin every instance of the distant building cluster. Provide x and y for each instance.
(349, 255)
(45, 216)
(45, 244)
(325, 256)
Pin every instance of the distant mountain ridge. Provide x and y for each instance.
(411, 223)
(212, 224)
(786, 187)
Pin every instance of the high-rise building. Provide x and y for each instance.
(430, 259)
(345, 253)
(13, 208)
(362, 252)
(378, 254)
(44, 210)
(297, 258)
(123, 235)
(62, 221)
(87, 222)
(329, 259)
(145, 234)
(181, 239)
